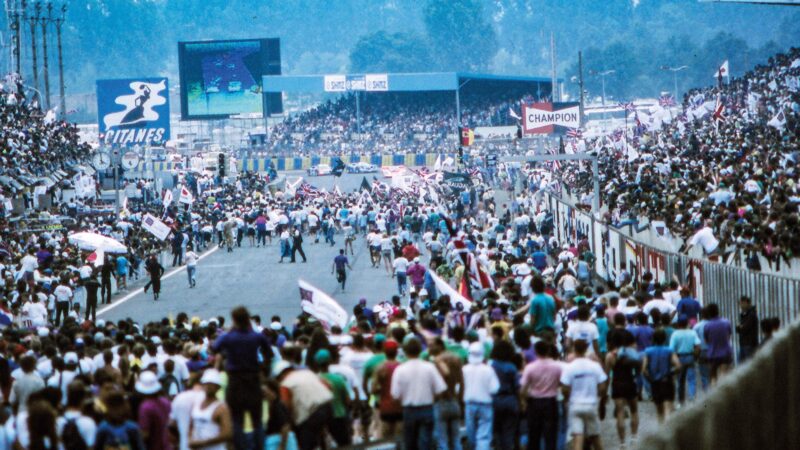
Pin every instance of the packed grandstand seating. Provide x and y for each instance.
(736, 171)
(408, 122)
(34, 144)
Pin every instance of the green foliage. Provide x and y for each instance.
(460, 34)
(390, 52)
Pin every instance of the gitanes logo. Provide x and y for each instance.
(133, 111)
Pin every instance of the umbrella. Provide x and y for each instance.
(93, 241)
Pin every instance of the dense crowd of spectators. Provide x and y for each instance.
(34, 143)
(408, 122)
(725, 179)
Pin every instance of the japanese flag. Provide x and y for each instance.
(723, 70)
(186, 196)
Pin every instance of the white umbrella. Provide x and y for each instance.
(93, 241)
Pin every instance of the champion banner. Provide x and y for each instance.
(549, 118)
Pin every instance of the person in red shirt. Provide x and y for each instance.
(390, 409)
(410, 251)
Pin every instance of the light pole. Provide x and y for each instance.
(674, 71)
(603, 76)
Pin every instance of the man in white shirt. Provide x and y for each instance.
(416, 384)
(181, 411)
(705, 238)
(583, 329)
(400, 265)
(663, 306)
(583, 383)
(480, 383)
(63, 295)
(191, 266)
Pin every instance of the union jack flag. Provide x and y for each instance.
(617, 135)
(629, 106)
(666, 100)
(575, 133)
(307, 190)
(719, 110)
(555, 166)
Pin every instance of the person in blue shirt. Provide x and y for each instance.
(657, 366)
(539, 260)
(122, 272)
(686, 344)
(689, 307)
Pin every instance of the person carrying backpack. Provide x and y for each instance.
(76, 431)
(117, 431)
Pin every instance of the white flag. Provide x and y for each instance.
(186, 196)
(723, 70)
(50, 117)
(437, 166)
(443, 288)
(167, 198)
(321, 306)
(779, 121)
(513, 114)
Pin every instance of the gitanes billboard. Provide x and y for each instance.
(549, 118)
(133, 111)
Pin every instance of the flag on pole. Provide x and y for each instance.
(779, 121)
(513, 114)
(96, 258)
(627, 106)
(722, 71)
(575, 133)
(719, 110)
(437, 166)
(321, 306)
(186, 196)
(666, 101)
(167, 198)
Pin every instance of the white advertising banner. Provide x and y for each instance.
(542, 118)
(335, 83)
(377, 82)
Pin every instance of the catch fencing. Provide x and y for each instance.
(710, 282)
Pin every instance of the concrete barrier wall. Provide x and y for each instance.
(755, 407)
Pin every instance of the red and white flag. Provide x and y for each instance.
(186, 196)
(167, 198)
(723, 71)
(719, 110)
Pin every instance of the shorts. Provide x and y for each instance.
(583, 420)
(716, 362)
(663, 390)
(625, 391)
(362, 411)
(386, 253)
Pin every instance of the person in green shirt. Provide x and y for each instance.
(375, 360)
(542, 310)
(340, 427)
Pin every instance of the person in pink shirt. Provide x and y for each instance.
(540, 384)
(416, 274)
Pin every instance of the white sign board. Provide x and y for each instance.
(377, 82)
(335, 83)
(155, 226)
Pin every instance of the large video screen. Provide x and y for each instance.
(223, 78)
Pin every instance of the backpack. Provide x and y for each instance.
(167, 382)
(71, 436)
(118, 438)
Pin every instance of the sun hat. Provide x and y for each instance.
(148, 383)
(211, 376)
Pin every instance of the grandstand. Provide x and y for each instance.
(410, 113)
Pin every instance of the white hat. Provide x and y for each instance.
(211, 376)
(416, 259)
(43, 331)
(148, 383)
(476, 352)
(275, 326)
(71, 358)
(99, 336)
(422, 292)
(100, 323)
(155, 340)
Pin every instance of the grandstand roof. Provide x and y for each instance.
(395, 82)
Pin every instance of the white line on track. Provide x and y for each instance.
(141, 289)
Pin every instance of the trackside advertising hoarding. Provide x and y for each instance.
(133, 111)
(550, 118)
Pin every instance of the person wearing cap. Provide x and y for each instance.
(62, 378)
(340, 424)
(154, 412)
(211, 426)
(417, 384)
(416, 272)
(308, 401)
(480, 384)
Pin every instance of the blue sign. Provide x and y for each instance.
(133, 111)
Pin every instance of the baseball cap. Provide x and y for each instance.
(71, 358)
(476, 352)
(390, 345)
(323, 356)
